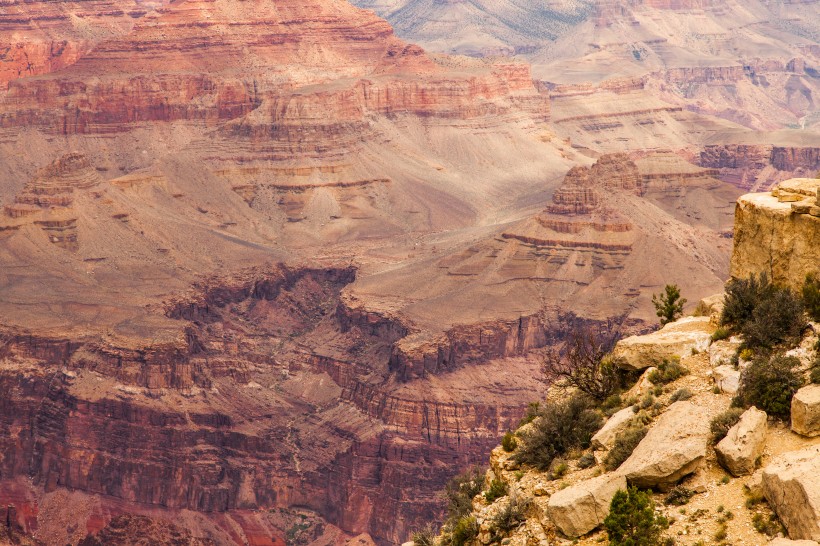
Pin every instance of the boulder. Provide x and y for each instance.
(677, 339)
(806, 411)
(727, 378)
(579, 509)
(721, 353)
(711, 307)
(642, 386)
(605, 438)
(743, 444)
(791, 484)
(673, 448)
(787, 542)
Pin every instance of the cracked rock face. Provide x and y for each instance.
(806, 411)
(791, 484)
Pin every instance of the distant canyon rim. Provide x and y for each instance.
(273, 273)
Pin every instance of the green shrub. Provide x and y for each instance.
(811, 296)
(814, 376)
(668, 371)
(668, 304)
(497, 490)
(769, 526)
(558, 469)
(723, 422)
(532, 413)
(742, 296)
(460, 490)
(680, 394)
(721, 334)
(508, 442)
(770, 384)
(587, 460)
(632, 520)
(679, 495)
(464, 531)
(777, 318)
(560, 426)
(624, 445)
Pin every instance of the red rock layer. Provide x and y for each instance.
(746, 165)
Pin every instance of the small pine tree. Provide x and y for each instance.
(632, 520)
(668, 304)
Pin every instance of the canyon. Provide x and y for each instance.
(273, 274)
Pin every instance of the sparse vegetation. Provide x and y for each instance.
(769, 383)
(668, 371)
(587, 460)
(508, 442)
(424, 537)
(496, 490)
(511, 515)
(811, 296)
(742, 297)
(464, 531)
(459, 493)
(582, 362)
(532, 413)
(769, 526)
(559, 427)
(668, 304)
(680, 394)
(679, 495)
(721, 334)
(632, 520)
(723, 422)
(624, 445)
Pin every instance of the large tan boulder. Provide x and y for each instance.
(605, 438)
(771, 235)
(806, 411)
(721, 353)
(579, 509)
(787, 542)
(744, 443)
(677, 339)
(675, 447)
(791, 484)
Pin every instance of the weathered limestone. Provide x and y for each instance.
(605, 438)
(774, 235)
(677, 339)
(743, 444)
(673, 448)
(806, 411)
(581, 508)
(643, 385)
(791, 484)
(727, 378)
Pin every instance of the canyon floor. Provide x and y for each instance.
(274, 273)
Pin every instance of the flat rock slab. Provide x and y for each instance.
(605, 438)
(744, 443)
(677, 339)
(579, 509)
(806, 411)
(673, 448)
(791, 484)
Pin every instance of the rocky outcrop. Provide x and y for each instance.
(581, 508)
(805, 413)
(605, 438)
(727, 378)
(739, 451)
(674, 448)
(776, 233)
(128, 529)
(675, 340)
(790, 483)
